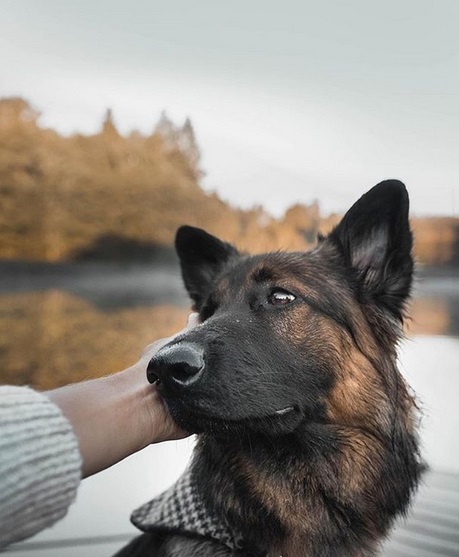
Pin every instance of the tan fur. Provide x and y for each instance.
(286, 500)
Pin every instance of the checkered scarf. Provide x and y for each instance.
(181, 510)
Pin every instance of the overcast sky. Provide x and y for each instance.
(291, 100)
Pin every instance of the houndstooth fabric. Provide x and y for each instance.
(180, 509)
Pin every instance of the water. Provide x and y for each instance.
(62, 324)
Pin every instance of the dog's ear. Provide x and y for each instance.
(375, 239)
(202, 257)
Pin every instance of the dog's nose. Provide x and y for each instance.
(181, 363)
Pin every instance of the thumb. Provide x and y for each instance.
(150, 350)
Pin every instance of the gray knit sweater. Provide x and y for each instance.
(40, 463)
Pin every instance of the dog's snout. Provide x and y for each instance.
(181, 364)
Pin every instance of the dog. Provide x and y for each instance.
(307, 433)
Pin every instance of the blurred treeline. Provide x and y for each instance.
(112, 196)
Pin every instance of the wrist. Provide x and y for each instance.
(150, 422)
(114, 416)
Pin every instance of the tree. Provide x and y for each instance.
(188, 145)
(108, 125)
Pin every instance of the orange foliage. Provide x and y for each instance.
(64, 197)
(53, 338)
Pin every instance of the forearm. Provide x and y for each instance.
(114, 416)
(40, 463)
(50, 440)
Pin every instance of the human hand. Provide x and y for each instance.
(162, 426)
(119, 414)
(150, 350)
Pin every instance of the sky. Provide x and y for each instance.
(291, 101)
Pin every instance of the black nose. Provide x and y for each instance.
(181, 364)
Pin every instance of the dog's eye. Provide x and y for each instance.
(280, 297)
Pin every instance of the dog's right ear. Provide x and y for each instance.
(202, 257)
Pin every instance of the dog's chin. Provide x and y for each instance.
(277, 423)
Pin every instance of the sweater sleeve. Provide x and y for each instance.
(40, 463)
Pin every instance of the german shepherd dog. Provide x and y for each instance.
(307, 443)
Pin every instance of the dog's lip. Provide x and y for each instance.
(198, 413)
(154, 379)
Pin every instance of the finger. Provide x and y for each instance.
(151, 349)
(193, 320)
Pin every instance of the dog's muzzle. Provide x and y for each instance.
(179, 365)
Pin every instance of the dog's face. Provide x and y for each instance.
(292, 337)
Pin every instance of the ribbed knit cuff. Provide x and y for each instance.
(40, 463)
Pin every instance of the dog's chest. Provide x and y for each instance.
(293, 547)
(298, 547)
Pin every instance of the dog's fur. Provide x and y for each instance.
(307, 431)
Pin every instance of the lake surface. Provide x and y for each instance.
(63, 323)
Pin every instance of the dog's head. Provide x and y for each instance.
(291, 337)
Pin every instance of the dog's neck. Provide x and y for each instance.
(306, 502)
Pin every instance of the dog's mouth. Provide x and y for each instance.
(272, 424)
(197, 416)
(155, 380)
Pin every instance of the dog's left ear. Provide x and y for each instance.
(375, 239)
(202, 257)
